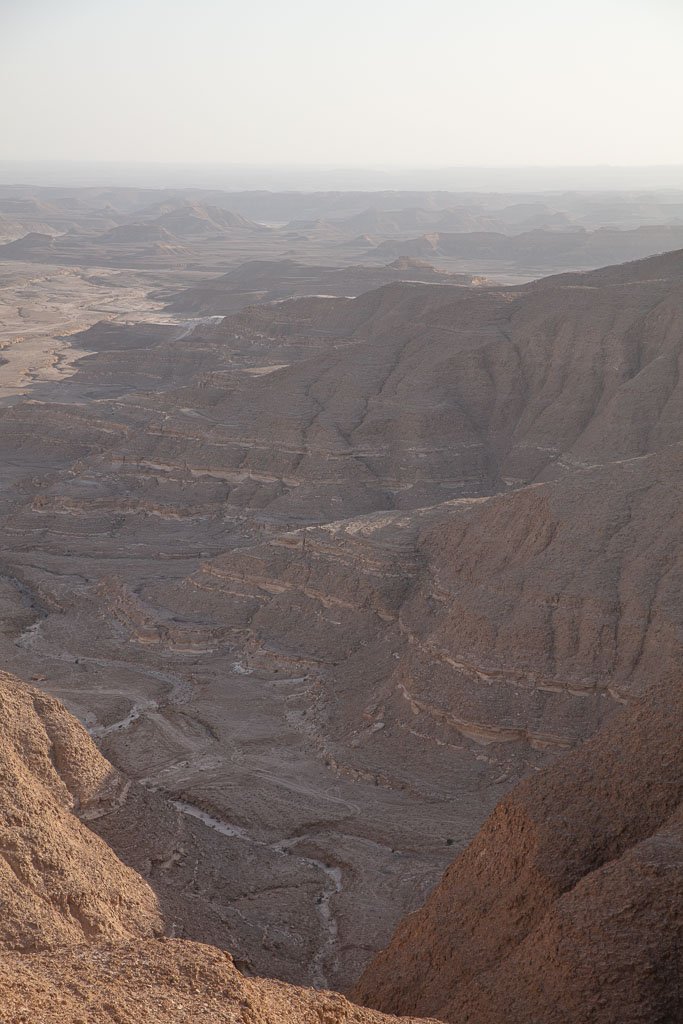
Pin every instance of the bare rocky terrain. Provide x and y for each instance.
(324, 578)
(81, 935)
(538, 248)
(510, 237)
(263, 281)
(569, 903)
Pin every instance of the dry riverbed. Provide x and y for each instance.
(42, 307)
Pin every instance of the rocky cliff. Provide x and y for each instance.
(568, 905)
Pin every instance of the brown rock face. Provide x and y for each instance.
(164, 982)
(568, 905)
(59, 882)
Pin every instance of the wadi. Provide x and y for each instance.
(341, 618)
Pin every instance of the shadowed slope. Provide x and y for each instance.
(568, 905)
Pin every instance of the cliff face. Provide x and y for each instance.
(426, 393)
(517, 624)
(568, 905)
(403, 397)
(544, 609)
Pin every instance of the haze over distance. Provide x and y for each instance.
(383, 85)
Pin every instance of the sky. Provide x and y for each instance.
(352, 83)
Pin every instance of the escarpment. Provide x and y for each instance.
(412, 395)
(519, 622)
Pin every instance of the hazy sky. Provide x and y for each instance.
(351, 82)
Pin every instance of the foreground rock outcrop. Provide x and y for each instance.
(568, 905)
(59, 883)
(165, 982)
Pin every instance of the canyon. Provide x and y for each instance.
(362, 575)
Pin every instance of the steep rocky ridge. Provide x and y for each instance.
(517, 623)
(59, 883)
(569, 903)
(427, 393)
(35, 242)
(191, 219)
(539, 248)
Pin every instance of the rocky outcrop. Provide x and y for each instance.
(35, 243)
(167, 982)
(59, 883)
(519, 622)
(193, 220)
(568, 905)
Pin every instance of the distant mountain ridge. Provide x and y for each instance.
(575, 247)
